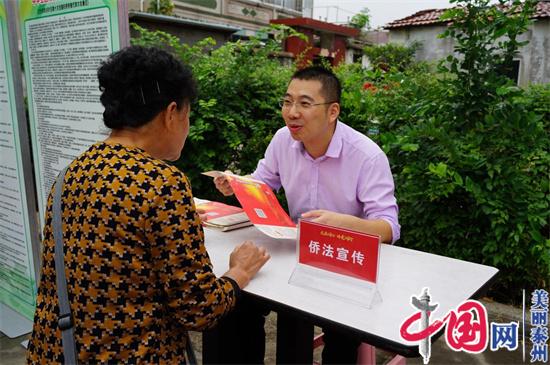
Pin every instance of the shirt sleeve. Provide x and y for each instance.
(268, 167)
(376, 192)
(195, 296)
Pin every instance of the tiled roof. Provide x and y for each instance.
(543, 10)
(431, 16)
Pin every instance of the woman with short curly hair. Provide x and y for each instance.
(138, 274)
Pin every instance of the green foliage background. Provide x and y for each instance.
(394, 55)
(469, 150)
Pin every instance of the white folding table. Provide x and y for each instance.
(402, 274)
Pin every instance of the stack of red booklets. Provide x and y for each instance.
(222, 216)
(260, 205)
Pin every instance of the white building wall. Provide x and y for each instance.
(348, 58)
(432, 47)
(537, 54)
(534, 57)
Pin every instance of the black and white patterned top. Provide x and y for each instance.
(138, 274)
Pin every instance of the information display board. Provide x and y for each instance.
(64, 42)
(18, 224)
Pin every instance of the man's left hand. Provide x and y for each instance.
(325, 217)
(378, 227)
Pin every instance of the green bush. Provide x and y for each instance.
(391, 55)
(477, 193)
(469, 152)
(360, 20)
(374, 101)
(474, 191)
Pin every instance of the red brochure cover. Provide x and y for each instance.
(259, 202)
(260, 205)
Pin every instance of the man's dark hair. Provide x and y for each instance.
(137, 83)
(331, 88)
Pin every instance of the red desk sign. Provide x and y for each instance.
(339, 250)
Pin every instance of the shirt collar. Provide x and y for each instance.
(335, 145)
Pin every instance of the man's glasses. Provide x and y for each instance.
(300, 105)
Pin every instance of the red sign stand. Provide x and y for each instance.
(337, 261)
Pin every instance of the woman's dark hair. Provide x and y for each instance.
(137, 83)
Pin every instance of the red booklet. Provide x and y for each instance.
(261, 205)
(223, 216)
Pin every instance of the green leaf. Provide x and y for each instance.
(440, 169)
(409, 147)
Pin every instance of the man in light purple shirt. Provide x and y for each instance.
(352, 177)
(331, 174)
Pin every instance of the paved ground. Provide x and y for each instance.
(11, 351)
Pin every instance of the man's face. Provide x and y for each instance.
(308, 121)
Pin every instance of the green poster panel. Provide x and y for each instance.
(18, 226)
(64, 42)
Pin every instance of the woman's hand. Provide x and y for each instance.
(202, 214)
(245, 261)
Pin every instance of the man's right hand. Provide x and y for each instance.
(222, 184)
(245, 261)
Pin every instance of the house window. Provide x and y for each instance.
(513, 71)
(316, 40)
